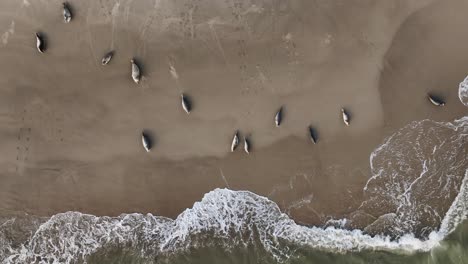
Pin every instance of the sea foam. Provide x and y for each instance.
(463, 91)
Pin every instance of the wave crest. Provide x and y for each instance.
(463, 91)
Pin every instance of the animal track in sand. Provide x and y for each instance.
(48, 125)
(49, 122)
(238, 12)
(245, 71)
(22, 148)
(294, 62)
(187, 19)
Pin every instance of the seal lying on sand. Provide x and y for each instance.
(40, 43)
(186, 104)
(136, 74)
(435, 101)
(279, 117)
(312, 135)
(345, 116)
(235, 141)
(146, 141)
(247, 145)
(67, 15)
(107, 58)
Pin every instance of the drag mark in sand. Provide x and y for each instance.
(114, 14)
(90, 39)
(223, 177)
(10, 31)
(173, 72)
(147, 24)
(214, 35)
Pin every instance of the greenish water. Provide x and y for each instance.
(453, 250)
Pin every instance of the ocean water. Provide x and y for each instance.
(418, 191)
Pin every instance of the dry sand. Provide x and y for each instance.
(70, 137)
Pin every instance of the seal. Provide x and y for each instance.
(235, 141)
(435, 101)
(107, 58)
(146, 141)
(136, 74)
(67, 15)
(247, 145)
(345, 115)
(279, 117)
(186, 104)
(312, 135)
(40, 44)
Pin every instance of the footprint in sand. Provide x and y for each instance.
(243, 66)
(22, 148)
(294, 62)
(187, 19)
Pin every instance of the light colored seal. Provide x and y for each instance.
(185, 104)
(145, 140)
(345, 116)
(40, 43)
(435, 101)
(67, 15)
(136, 74)
(247, 145)
(235, 141)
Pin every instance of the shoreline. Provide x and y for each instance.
(71, 139)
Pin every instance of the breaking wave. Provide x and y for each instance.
(244, 218)
(463, 91)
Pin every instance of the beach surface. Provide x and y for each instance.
(70, 138)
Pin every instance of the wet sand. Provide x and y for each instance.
(71, 128)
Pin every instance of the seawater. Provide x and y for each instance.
(452, 250)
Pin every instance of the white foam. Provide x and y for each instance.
(414, 171)
(236, 216)
(463, 91)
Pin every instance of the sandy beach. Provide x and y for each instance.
(71, 128)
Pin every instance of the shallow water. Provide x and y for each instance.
(451, 251)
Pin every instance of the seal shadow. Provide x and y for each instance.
(280, 113)
(188, 101)
(248, 139)
(437, 96)
(44, 40)
(140, 65)
(150, 136)
(313, 134)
